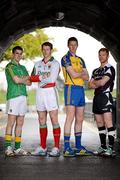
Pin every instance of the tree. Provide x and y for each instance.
(30, 43)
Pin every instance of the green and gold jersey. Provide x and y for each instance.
(14, 90)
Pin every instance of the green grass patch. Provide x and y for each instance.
(90, 93)
(32, 96)
(2, 97)
(31, 99)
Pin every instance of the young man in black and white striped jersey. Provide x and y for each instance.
(103, 81)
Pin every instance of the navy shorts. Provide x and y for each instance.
(74, 95)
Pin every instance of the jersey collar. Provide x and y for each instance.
(14, 62)
(50, 60)
(70, 54)
(107, 65)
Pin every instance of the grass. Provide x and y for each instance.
(31, 99)
(2, 97)
(90, 93)
(32, 95)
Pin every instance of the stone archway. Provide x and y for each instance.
(100, 19)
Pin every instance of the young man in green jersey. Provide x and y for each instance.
(17, 79)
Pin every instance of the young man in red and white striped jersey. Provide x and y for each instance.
(45, 72)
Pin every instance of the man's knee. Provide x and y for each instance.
(20, 122)
(79, 120)
(10, 124)
(42, 120)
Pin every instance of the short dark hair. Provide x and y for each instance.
(72, 39)
(104, 49)
(17, 48)
(47, 44)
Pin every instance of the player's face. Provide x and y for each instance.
(46, 50)
(17, 55)
(73, 46)
(103, 57)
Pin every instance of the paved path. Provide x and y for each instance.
(48, 168)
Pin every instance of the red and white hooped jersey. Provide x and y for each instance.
(48, 72)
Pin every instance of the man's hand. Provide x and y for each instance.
(92, 85)
(84, 75)
(28, 82)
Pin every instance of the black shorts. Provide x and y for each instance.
(102, 103)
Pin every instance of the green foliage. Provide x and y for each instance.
(114, 93)
(2, 96)
(61, 96)
(31, 99)
(32, 95)
(30, 43)
(90, 93)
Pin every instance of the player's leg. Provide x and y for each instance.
(42, 150)
(111, 133)
(22, 109)
(70, 97)
(8, 135)
(18, 131)
(107, 116)
(79, 116)
(102, 133)
(70, 114)
(51, 105)
(42, 115)
(42, 118)
(18, 134)
(12, 111)
(98, 106)
(56, 132)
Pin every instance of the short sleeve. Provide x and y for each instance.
(83, 63)
(65, 62)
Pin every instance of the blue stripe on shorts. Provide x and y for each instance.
(74, 95)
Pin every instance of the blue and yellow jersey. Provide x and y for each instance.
(77, 63)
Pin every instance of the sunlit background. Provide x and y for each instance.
(88, 49)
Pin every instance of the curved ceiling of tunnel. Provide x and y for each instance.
(100, 19)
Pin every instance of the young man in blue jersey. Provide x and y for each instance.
(75, 73)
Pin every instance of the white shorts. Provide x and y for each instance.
(47, 99)
(17, 106)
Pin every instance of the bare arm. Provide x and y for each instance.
(98, 83)
(91, 84)
(28, 82)
(20, 80)
(101, 82)
(84, 74)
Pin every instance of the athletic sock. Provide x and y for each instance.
(17, 142)
(56, 134)
(102, 135)
(78, 140)
(43, 135)
(66, 141)
(111, 136)
(8, 140)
